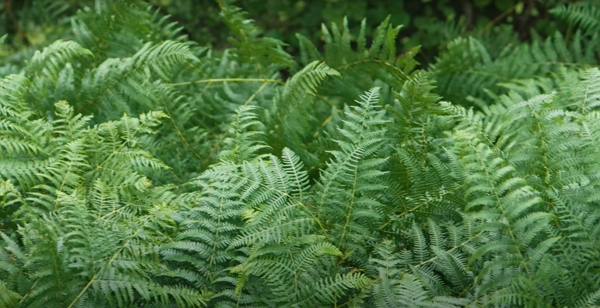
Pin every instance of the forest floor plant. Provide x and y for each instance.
(138, 169)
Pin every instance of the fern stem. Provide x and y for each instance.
(345, 66)
(255, 93)
(350, 207)
(179, 132)
(226, 80)
(297, 202)
(29, 293)
(87, 286)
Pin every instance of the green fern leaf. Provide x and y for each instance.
(265, 53)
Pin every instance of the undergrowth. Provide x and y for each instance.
(139, 169)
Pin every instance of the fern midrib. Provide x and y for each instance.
(448, 192)
(109, 263)
(350, 208)
(384, 63)
(178, 131)
(211, 80)
(90, 245)
(354, 181)
(218, 229)
(543, 145)
(502, 209)
(295, 271)
(290, 197)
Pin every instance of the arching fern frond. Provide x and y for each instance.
(121, 85)
(45, 68)
(510, 211)
(296, 111)
(274, 193)
(285, 270)
(345, 196)
(266, 54)
(241, 144)
(404, 281)
(212, 219)
(584, 14)
(379, 61)
(579, 227)
(466, 71)
(51, 60)
(98, 29)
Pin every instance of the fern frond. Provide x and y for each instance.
(345, 196)
(239, 146)
(284, 268)
(585, 96)
(107, 37)
(207, 230)
(510, 210)
(327, 290)
(120, 85)
(294, 169)
(8, 298)
(578, 226)
(364, 66)
(163, 29)
(266, 54)
(397, 288)
(467, 72)
(277, 212)
(295, 109)
(584, 14)
(214, 219)
(51, 60)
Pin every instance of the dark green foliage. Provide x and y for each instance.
(140, 170)
(248, 48)
(583, 14)
(467, 71)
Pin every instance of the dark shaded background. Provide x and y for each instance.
(428, 23)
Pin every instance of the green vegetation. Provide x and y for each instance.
(141, 168)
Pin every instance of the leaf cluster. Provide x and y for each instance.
(139, 169)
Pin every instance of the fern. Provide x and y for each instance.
(379, 61)
(467, 72)
(107, 37)
(346, 194)
(583, 14)
(297, 100)
(262, 52)
(397, 288)
(121, 80)
(140, 169)
(104, 234)
(214, 219)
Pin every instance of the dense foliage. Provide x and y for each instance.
(141, 169)
(425, 23)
